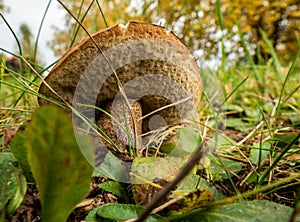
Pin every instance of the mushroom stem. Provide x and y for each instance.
(126, 127)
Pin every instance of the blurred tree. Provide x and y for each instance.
(26, 40)
(1, 5)
(198, 23)
(15, 64)
(28, 49)
(280, 20)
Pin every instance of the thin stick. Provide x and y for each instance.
(164, 107)
(244, 140)
(187, 168)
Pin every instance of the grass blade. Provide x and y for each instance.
(290, 72)
(276, 161)
(250, 59)
(39, 31)
(273, 54)
(102, 14)
(233, 91)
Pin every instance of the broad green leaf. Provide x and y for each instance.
(253, 178)
(20, 152)
(12, 184)
(238, 124)
(224, 141)
(234, 107)
(283, 139)
(94, 217)
(183, 143)
(152, 168)
(219, 165)
(146, 170)
(268, 107)
(189, 183)
(120, 212)
(112, 168)
(192, 182)
(253, 113)
(60, 170)
(189, 139)
(115, 188)
(258, 153)
(294, 118)
(195, 199)
(169, 146)
(247, 211)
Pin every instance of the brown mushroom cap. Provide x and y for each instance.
(166, 56)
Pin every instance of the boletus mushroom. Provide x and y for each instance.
(141, 65)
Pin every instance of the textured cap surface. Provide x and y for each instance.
(152, 64)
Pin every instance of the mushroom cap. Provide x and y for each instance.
(152, 64)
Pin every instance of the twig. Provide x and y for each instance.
(245, 139)
(193, 161)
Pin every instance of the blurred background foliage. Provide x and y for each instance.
(3, 7)
(198, 24)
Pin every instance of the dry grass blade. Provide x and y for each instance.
(111, 67)
(60, 97)
(186, 169)
(165, 107)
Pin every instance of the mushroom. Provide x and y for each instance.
(141, 65)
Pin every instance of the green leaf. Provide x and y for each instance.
(234, 107)
(12, 184)
(119, 212)
(60, 170)
(238, 124)
(152, 168)
(258, 153)
(247, 211)
(189, 139)
(169, 146)
(145, 170)
(195, 199)
(219, 164)
(284, 139)
(193, 181)
(268, 107)
(20, 152)
(112, 168)
(189, 183)
(225, 142)
(253, 113)
(184, 143)
(94, 217)
(115, 188)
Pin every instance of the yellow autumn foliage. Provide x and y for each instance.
(197, 22)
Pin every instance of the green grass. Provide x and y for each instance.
(256, 124)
